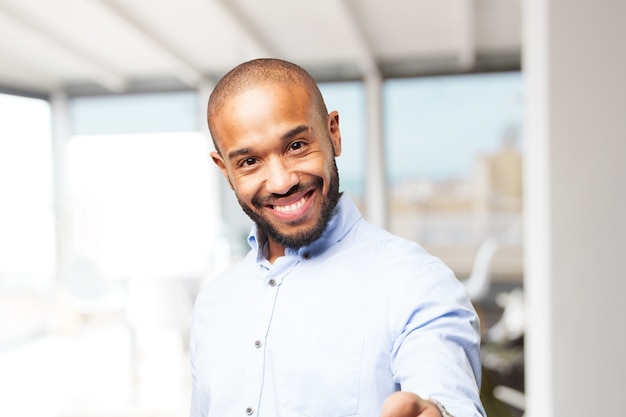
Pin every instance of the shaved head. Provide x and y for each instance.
(256, 73)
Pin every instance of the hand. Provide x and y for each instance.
(408, 404)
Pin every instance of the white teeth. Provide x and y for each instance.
(291, 207)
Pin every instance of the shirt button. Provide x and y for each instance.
(257, 343)
(306, 255)
(249, 411)
(272, 282)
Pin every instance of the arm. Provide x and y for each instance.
(437, 351)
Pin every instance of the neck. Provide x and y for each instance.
(274, 251)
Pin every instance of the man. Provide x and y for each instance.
(327, 315)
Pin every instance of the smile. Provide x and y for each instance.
(291, 207)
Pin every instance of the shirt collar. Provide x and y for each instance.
(345, 215)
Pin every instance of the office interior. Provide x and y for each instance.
(113, 216)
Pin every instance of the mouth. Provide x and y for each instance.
(293, 207)
(289, 208)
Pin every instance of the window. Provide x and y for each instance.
(26, 217)
(348, 98)
(454, 160)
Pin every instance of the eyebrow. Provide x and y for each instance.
(295, 132)
(238, 152)
(287, 136)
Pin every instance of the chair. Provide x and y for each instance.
(479, 281)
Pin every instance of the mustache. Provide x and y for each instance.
(261, 201)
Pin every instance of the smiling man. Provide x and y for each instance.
(288, 186)
(327, 315)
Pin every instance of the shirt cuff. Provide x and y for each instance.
(442, 409)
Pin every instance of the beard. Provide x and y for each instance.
(299, 238)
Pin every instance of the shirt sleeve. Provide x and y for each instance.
(437, 352)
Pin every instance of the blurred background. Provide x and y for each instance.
(112, 215)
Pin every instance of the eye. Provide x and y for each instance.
(248, 162)
(295, 146)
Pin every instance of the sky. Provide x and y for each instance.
(435, 126)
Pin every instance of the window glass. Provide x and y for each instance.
(26, 217)
(142, 204)
(142, 238)
(454, 158)
(27, 238)
(348, 98)
(135, 113)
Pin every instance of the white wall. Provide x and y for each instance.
(575, 69)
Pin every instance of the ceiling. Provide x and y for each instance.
(116, 46)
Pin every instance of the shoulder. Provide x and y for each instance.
(373, 254)
(387, 248)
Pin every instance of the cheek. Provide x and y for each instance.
(321, 165)
(245, 187)
(330, 169)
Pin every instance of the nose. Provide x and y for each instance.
(280, 177)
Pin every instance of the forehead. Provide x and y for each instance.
(270, 97)
(264, 111)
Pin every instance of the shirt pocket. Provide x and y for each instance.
(315, 381)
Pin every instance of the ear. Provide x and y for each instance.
(219, 161)
(334, 132)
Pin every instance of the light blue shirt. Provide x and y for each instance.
(331, 329)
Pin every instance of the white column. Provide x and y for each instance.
(375, 185)
(575, 178)
(60, 136)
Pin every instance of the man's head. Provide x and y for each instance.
(276, 145)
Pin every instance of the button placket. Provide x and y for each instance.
(273, 281)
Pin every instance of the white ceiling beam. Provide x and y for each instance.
(247, 26)
(185, 71)
(104, 76)
(365, 58)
